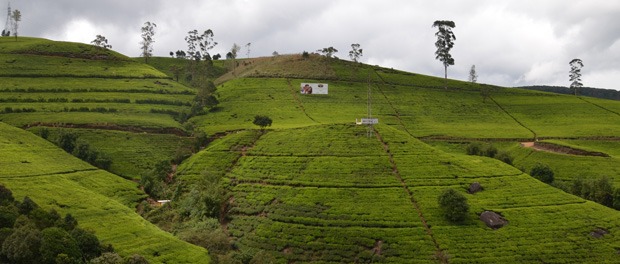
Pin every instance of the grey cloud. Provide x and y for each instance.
(512, 42)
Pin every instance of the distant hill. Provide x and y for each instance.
(585, 91)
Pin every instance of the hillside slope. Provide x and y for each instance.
(100, 201)
(317, 189)
(313, 187)
(329, 193)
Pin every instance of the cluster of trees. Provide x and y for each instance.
(70, 143)
(29, 234)
(488, 150)
(599, 190)
(584, 91)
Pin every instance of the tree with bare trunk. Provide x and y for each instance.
(445, 42)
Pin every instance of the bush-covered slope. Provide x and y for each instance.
(100, 201)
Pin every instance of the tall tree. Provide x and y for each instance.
(16, 17)
(248, 48)
(328, 52)
(473, 76)
(355, 52)
(575, 74)
(445, 43)
(102, 42)
(234, 50)
(193, 40)
(206, 43)
(148, 31)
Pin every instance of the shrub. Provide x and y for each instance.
(474, 148)
(454, 205)
(262, 121)
(542, 172)
(505, 157)
(489, 151)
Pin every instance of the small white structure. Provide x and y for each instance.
(162, 202)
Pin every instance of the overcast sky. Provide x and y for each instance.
(511, 42)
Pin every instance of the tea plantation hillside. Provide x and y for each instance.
(73, 87)
(100, 201)
(314, 187)
(317, 189)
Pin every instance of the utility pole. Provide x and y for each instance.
(369, 111)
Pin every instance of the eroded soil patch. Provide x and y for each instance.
(554, 148)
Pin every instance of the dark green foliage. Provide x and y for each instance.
(215, 240)
(135, 259)
(616, 197)
(153, 182)
(107, 258)
(262, 121)
(44, 133)
(6, 196)
(305, 55)
(23, 245)
(29, 234)
(27, 205)
(151, 185)
(5, 232)
(504, 157)
(454, 205)
(43, 219)
(474, 148)
(69, 222)
(489, 151)
(479, 149)
(205, 198)
(542, 172)
(55, 241)
(598, 190)
(8, 215)
(87, 242)
(67, 141)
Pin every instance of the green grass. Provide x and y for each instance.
(100, 201)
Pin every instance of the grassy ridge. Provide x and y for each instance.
(99, 200)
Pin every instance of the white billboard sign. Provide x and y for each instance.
(370, 121)
(313, 88)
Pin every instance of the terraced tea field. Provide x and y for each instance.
(99, 200)
(329, 193)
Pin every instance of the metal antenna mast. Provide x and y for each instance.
(7, 25)
(369, 106)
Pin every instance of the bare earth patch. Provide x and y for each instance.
(554, 148)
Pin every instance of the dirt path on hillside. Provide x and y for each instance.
(559, 149)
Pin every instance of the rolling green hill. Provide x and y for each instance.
(313, 187)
